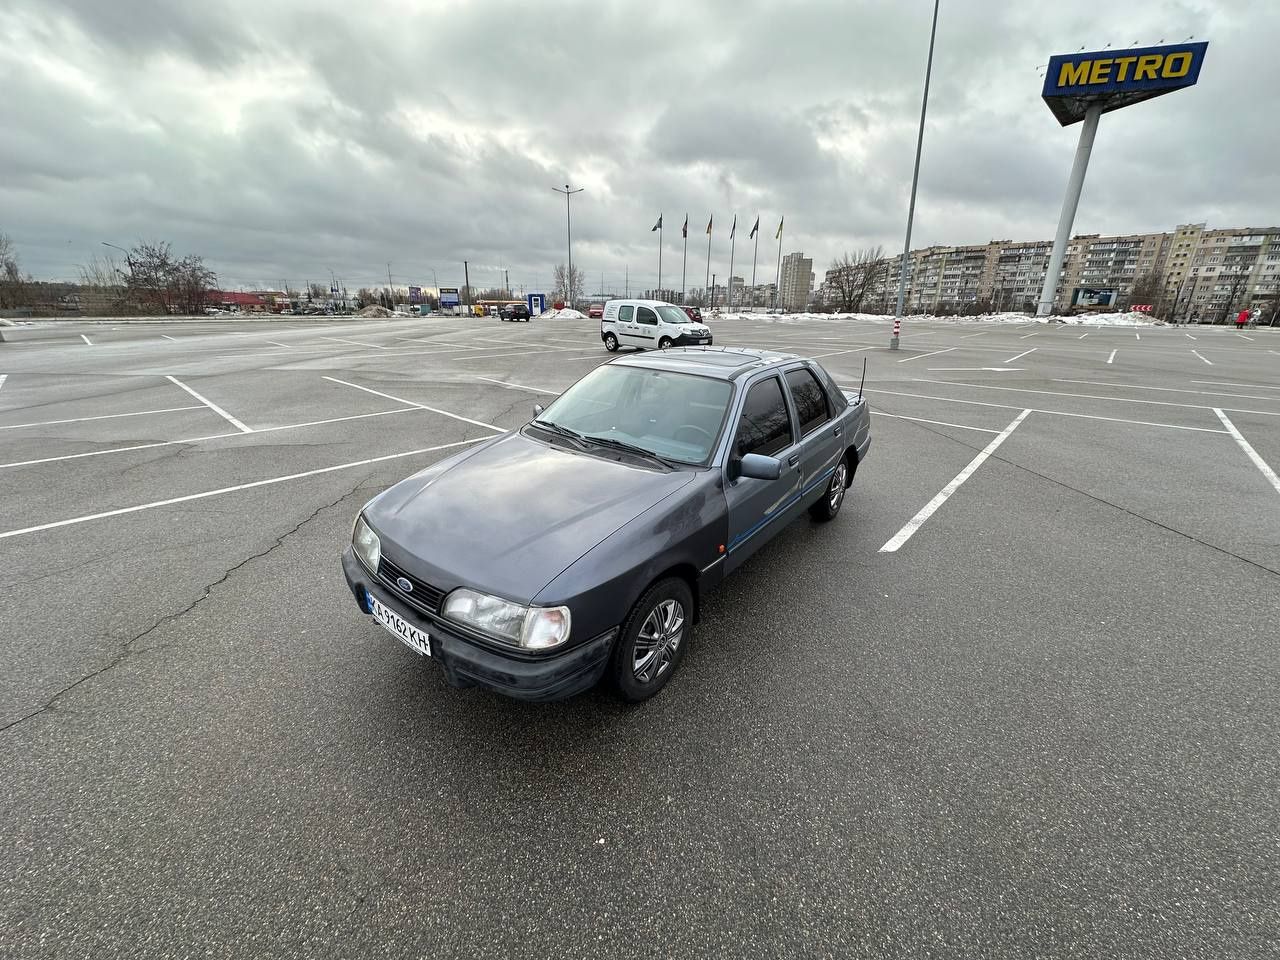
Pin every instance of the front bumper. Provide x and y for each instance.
(550, 676)
(688, 340)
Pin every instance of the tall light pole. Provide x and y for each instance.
(568, 222)
(915, 180)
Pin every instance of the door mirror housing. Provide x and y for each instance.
(757, 466)
(537, 410)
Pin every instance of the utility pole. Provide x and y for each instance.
(568, 221)
(466, 276)
(915, 180)
(391, 291)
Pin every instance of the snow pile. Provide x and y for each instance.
(1130, 319)
(565, 314)
(375, 311)
(1088, 319)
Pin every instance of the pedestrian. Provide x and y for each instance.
(1242, 318)
(1255, 317)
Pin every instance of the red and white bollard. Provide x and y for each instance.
(897, 328)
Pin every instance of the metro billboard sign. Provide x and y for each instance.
(1118, 78)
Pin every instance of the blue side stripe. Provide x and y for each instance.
(747, 535)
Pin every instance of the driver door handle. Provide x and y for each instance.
(794, 459)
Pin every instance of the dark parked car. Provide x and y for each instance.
(579, 546)
(515, 311)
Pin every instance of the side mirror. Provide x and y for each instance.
(757, 466)
(537, 409)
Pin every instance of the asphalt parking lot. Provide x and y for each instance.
(1012, 705)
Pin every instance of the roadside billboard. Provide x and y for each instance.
(449, 297)
(1091, 297)
(415, 294)
(1118, 78)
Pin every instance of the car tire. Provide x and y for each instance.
(653, 640)
(664, 343)
(833, 496)
(610, 342)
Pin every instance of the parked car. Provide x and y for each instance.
(579, 546)
(595, 311)
(649, 324)
(694, 313)
(515, 311)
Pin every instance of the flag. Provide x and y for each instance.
(684, 231)
(734, 228)
(778, 235)
(658, 225)
(755, 228)
(709, 219)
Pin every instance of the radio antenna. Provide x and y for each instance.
(864, 377)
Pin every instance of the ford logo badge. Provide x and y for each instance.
(404, 584)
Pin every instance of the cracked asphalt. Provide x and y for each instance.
(1046, 725)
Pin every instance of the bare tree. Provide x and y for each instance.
(13, 287)
(565, 288)
(853, 276)
(160, 282)
(1146, 289)
(317, 291)
(365, 298)
(1238, 281)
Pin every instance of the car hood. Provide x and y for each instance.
(509, 516)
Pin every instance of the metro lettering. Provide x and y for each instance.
(1073, 74)
(1147, 66)
(1180, 71)
(1122, 63)
(1101, 72)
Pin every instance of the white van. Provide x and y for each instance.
(649, 325)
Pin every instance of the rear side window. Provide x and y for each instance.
(835, 396)
(647, 316)
(810, 399)
(625, 313)
(765, 427)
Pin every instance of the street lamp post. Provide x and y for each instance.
(568, 222)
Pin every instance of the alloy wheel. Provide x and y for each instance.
(658, 641)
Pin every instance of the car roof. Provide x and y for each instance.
(723, 363)
(647, 303)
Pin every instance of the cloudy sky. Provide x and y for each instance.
(281, 139)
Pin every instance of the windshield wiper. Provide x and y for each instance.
(561, 429)
(629, 447)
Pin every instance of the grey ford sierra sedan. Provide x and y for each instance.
(578, 547)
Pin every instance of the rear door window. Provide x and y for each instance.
(626, 313)
(812, 408)
(765, 426)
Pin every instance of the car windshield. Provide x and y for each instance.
(673, 315)
(677, 416)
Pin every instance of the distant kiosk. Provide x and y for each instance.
(1083, 86)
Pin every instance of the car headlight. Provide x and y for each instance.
(366, 544)
(533, 628)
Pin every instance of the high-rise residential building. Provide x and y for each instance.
(796, 282)
(1204, 272)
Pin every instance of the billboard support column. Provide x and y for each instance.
(1069, 203)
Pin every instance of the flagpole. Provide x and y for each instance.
(732, 242)
(777, 279)
(755, 256)
(659, 297)
(684, 266)
(707, 286)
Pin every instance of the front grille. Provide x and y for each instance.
(423, 596)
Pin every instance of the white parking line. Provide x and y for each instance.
(358, 343)
(914, 524)
(3, 378)
(243, 428)
(277, 343)
(1022, 354)
(1224, 383)
(1111, 359)
(938, 423)
(1248, 448)
(1243, 337)
(421, 406)
(1205, 359)
(1036, 334)
(982, 334)
(167, 337)
(105, 416)
(1056, 413)
(211, 436)
(518, 386)
(921, 356)
(1091, 396)
(1190, 337)
(1139, 386)
(1082, 336)
(1137, 336)
(86, 339)
(225, 490)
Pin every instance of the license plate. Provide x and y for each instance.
(416, 640)
(704, 341)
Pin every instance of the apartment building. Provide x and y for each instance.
(1200, 270)
(796, 282)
